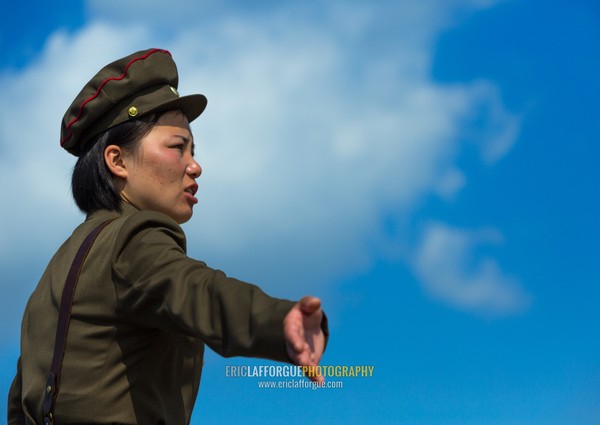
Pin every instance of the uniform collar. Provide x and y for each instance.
(126, 209)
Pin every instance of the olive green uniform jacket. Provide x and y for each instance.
(142, 313)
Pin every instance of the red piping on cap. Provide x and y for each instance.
(89, 99)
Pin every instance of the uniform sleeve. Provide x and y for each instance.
(159, 286)
(15, 407)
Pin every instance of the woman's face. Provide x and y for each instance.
(161, 172)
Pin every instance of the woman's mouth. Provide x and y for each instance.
(189, 193)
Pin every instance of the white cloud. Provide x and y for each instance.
(450, 183)
(491, 127)
(35, 169)
(447, 263)
(314, 127)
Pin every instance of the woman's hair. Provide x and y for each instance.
(93, 185)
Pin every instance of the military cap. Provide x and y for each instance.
(136, 85)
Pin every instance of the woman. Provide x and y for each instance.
(132, 347)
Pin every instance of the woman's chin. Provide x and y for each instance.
(183, 216)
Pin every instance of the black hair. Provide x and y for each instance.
(93, 185)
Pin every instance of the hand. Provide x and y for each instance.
(305, 341)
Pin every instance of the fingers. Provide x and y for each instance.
(297, 339)
(309, 304)
(294, 334)
(294, 331)
(298, 348)
(306, 359)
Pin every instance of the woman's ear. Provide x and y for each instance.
(113, 156)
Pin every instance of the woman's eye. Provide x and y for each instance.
(179, 147)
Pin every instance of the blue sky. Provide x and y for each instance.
(426, 168)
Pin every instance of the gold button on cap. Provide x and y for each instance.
(174, 90)
(133, 111)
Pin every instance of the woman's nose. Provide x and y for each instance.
(194, 169)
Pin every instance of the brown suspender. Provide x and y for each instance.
(64, 316)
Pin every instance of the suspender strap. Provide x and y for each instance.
(64, 317)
